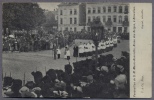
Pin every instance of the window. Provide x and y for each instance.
(89, 10)
(70, 20)
(104, 9)
(99, 10)
(74, 29)
(120, 19)
(114, 19)
(109, 18)
(61, 21)
(120, 9)
(114, 29)
(119, 29)
(104, 18)
(75, 12)
(125, 29)
(115, 9)
(89, 20)
(75, 21)
(126, 9)
(109, 9)
(94, 10)
(70, 28)
(61, 12)
(126, 18)
(70, 11)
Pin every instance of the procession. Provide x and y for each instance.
(74, 50)
(88, 49)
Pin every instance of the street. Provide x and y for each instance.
(17, 64)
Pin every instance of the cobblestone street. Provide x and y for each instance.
(17, 64)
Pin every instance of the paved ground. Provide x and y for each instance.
(19, 63)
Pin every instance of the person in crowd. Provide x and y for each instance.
(65, 51)
(86, 50)
(68, 54)
(58, 52)
(75, 51)
(81, 50)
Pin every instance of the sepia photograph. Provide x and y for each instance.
(66, 50)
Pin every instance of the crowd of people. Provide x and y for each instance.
(102, 77)
(106, 78)
(27, 42)
(85, 49)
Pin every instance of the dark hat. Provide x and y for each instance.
(7, 81)
(17, 84)
(30, 84)
(89, 78)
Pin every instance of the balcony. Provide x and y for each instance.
(125, 23)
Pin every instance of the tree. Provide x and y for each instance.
(50, 21)
(18, 16)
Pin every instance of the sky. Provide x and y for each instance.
(49, 6)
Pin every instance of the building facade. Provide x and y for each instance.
(71, 16)
(114, 16)
(77, 16)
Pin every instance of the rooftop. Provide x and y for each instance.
(68, 4)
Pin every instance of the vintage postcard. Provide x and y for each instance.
(77, 50)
